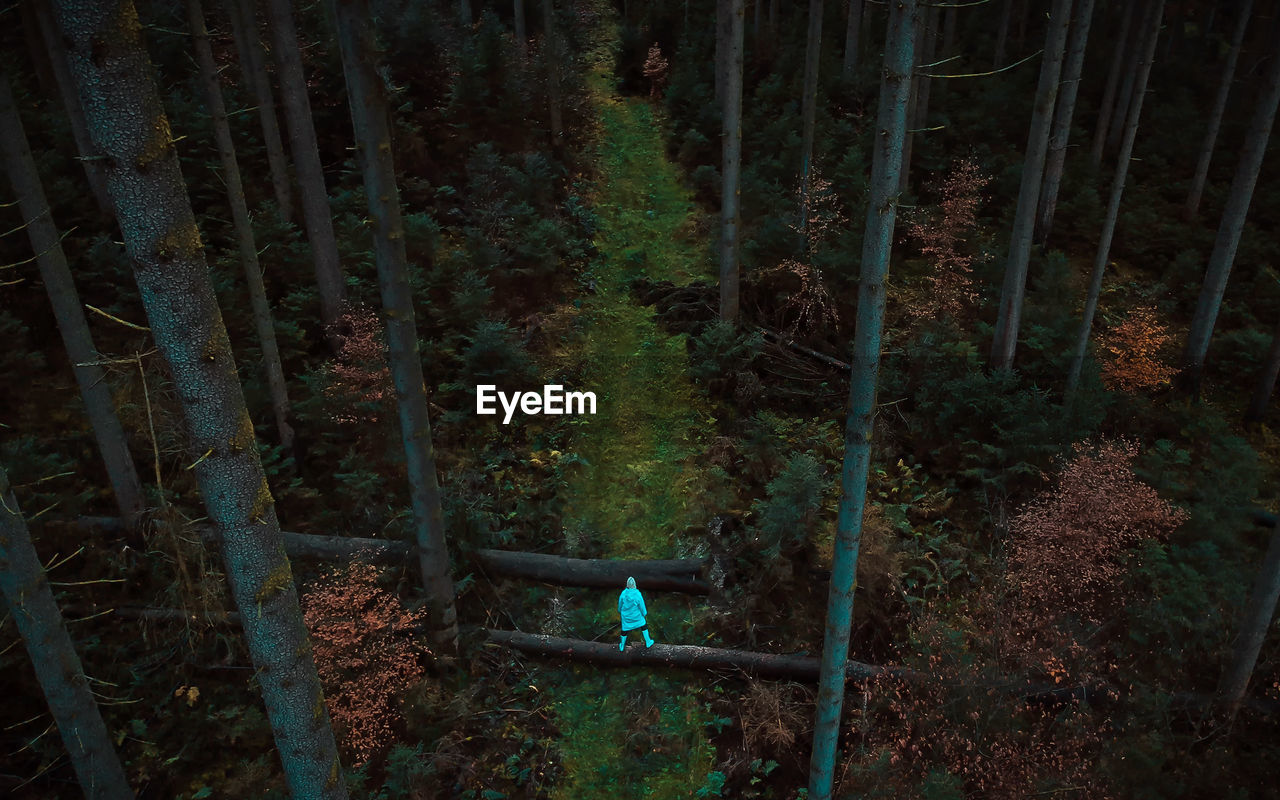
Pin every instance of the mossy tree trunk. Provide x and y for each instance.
(1239, 197)
(316, 216)
(1005, 342)
(128, 124)
(730, 13)
(113, 445)
(57, 667)
(1150, 31)
(1192, 208)
(1063, 116)
(262, 318)
(370, 118)
(253, 68)
(886, 161)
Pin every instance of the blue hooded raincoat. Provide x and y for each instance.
(631, 607)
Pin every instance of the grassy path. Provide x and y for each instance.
(634, 733)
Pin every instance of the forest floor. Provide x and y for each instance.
(634, 733)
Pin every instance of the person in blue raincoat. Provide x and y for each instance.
(631, 609)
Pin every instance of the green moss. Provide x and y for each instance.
(642, 469)
(280, 579)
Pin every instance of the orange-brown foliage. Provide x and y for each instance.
(364, 652)
(941, 237)
(360, 373)
(1132, 348)
(1067, 553)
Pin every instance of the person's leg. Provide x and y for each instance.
(623, 644)
(647, 641)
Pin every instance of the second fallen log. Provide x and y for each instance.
(668, 575)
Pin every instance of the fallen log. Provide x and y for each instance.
(787, 341)
(315, 547)
(669, 575)
(765, 665)
(665, 575)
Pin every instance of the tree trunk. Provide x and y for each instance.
(464, 14)
(1063, 115)
(61, 288)
(36, 50)
(765, 665)
(1266, 383)
(314, 547)
(722, 36)
(1149, 32)
(71, 102)
(262, 318)
(128, 123)
(57, 666)
(918, 105)
(1124, 101)
(371, 120)
(1192, 208)
(1005, 342)
(1107, 107)
(316, 216)
(1002, 34)
(773, 19)
(731, 152)
(1024, 13)
(809, 110)
(755, 25)
(886, 161)
(671, 575)
(522, 34)
(1228, 238)
(852, 37)
(253, 68)
(552, 50)
(1259, 611)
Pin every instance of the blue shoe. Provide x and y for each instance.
(647, 641)
(623, 645)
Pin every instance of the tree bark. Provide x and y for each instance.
(1005, 342)
(1228, 239)
(36, 50)
(1107, 107)
(128, 123)
(1259, 611)
(918, 105)
(522, 33)
(371, 120)
(1192, 208)
(1063, 116)
(1002, 34)
(316, 216)
(731, 154)
(1124, 101)
(1266, 382)
(552, 54)
(262, 317)
(314, 547)
(809, 110)
(253, 68)
(852, 38)
(674, 575)
(89, 159)
(1150, 29)
(765, 665)
(113, 445)
(886, 161)
(57, 666)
